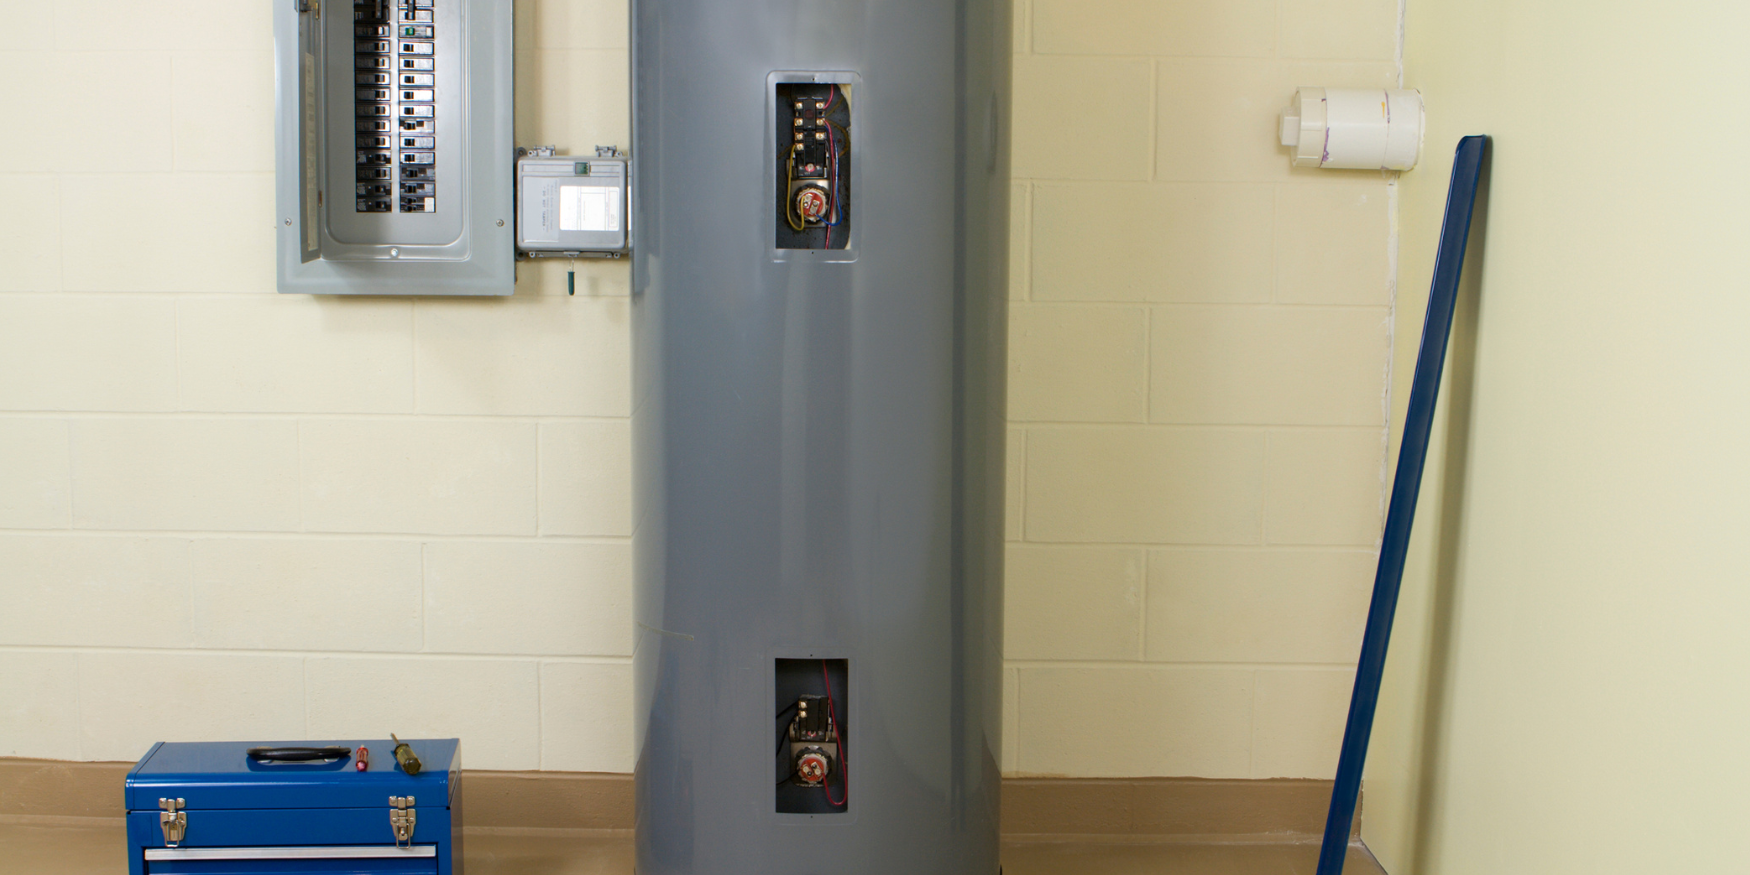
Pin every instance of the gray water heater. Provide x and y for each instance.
(819, 325)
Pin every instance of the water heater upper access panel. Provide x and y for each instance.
(814, 126)
(813, 173)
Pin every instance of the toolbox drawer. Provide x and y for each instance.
(366, 860)
(333, 827)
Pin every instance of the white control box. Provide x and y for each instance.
(572, 206)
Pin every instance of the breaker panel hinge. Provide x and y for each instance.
(173, 820)
(402, 819)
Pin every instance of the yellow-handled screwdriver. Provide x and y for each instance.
(404, 756)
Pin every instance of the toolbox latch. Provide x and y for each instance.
(402, 819)
(173, 820)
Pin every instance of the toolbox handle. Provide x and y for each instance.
(299, 754)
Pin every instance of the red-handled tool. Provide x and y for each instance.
(362, 759)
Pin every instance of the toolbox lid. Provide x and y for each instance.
(220, 775)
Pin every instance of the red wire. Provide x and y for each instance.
(832, 182)
(844, 763)
(832, 157)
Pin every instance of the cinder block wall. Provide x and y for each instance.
(230, 514)
(1198, 369)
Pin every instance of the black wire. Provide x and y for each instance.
(782, 734)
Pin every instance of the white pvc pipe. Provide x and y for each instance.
(1354, 128)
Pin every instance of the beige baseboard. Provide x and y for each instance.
(1188, 808)
(1140, 808)
(551, 800)
(50, 788)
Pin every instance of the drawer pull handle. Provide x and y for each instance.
(363, 852)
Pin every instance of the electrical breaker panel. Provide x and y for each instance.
(812, 179)
(394, 143)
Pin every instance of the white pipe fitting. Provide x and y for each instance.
(1354, 128)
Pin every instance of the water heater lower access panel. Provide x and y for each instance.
(813, 705)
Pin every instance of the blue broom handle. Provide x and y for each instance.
(1461, 198)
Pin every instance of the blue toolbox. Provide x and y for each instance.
(236, 808)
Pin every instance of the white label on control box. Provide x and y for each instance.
(541, 210)
(589, 208)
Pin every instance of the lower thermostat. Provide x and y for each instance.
(572, 206)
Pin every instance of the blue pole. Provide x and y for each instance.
(1467, 168)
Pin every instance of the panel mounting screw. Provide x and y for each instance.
(500, 223)
(288, 223)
